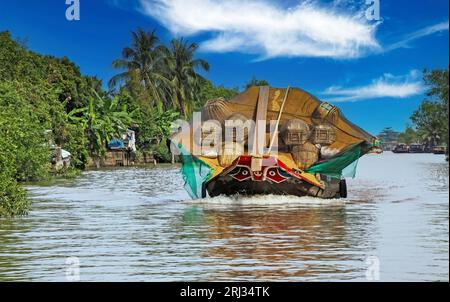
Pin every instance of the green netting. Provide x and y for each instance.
(343, 165)
(195, 173)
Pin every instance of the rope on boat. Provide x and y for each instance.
(277, 125)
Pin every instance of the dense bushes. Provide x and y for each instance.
(432, 119)
(36, 92)
(24, 155)
(13, 198)
(45, 101)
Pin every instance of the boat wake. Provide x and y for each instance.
(269, 200)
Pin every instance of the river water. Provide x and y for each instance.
(138, 224)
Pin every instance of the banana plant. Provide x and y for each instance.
(103, 119)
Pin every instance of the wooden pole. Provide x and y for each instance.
(260, 132)
(277, 125)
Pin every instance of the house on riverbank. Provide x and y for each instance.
(126, 158)
(61, 158)
(123, 153)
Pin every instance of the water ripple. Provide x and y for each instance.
(138, 224)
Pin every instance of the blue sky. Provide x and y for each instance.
(370, 69)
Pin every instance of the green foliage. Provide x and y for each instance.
(159, 76)
(13, 199)
(432, 117)
(154, 127)
(68, 173)
(36, 92)
(24, 154)
(181, 67)
(142, 65)
(102, 119)
(438, 83)
(52, 87)
(255, 82)
(209, 92)
(76, 142)
(428, 120)
(410, 136)
(23, 140)
(161, 152)
(60, 76)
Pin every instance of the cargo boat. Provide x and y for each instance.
(440, 150)
(283, 142)
(401, 148)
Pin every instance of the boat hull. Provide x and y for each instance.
(274, 178)
(228, 186)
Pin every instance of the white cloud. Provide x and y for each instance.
(268, 29)
(265, 28)
(427, 31)
(387, 86)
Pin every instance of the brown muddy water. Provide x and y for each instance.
(138, 224)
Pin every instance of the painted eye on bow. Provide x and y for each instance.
(241, 174)
(275, 175)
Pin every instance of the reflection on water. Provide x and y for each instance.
(138, 225)
(292, 243)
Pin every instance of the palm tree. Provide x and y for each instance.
(142, 65)
(182, 73)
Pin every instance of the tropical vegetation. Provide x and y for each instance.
(255, 82)
(46, 102)
(430, 121)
